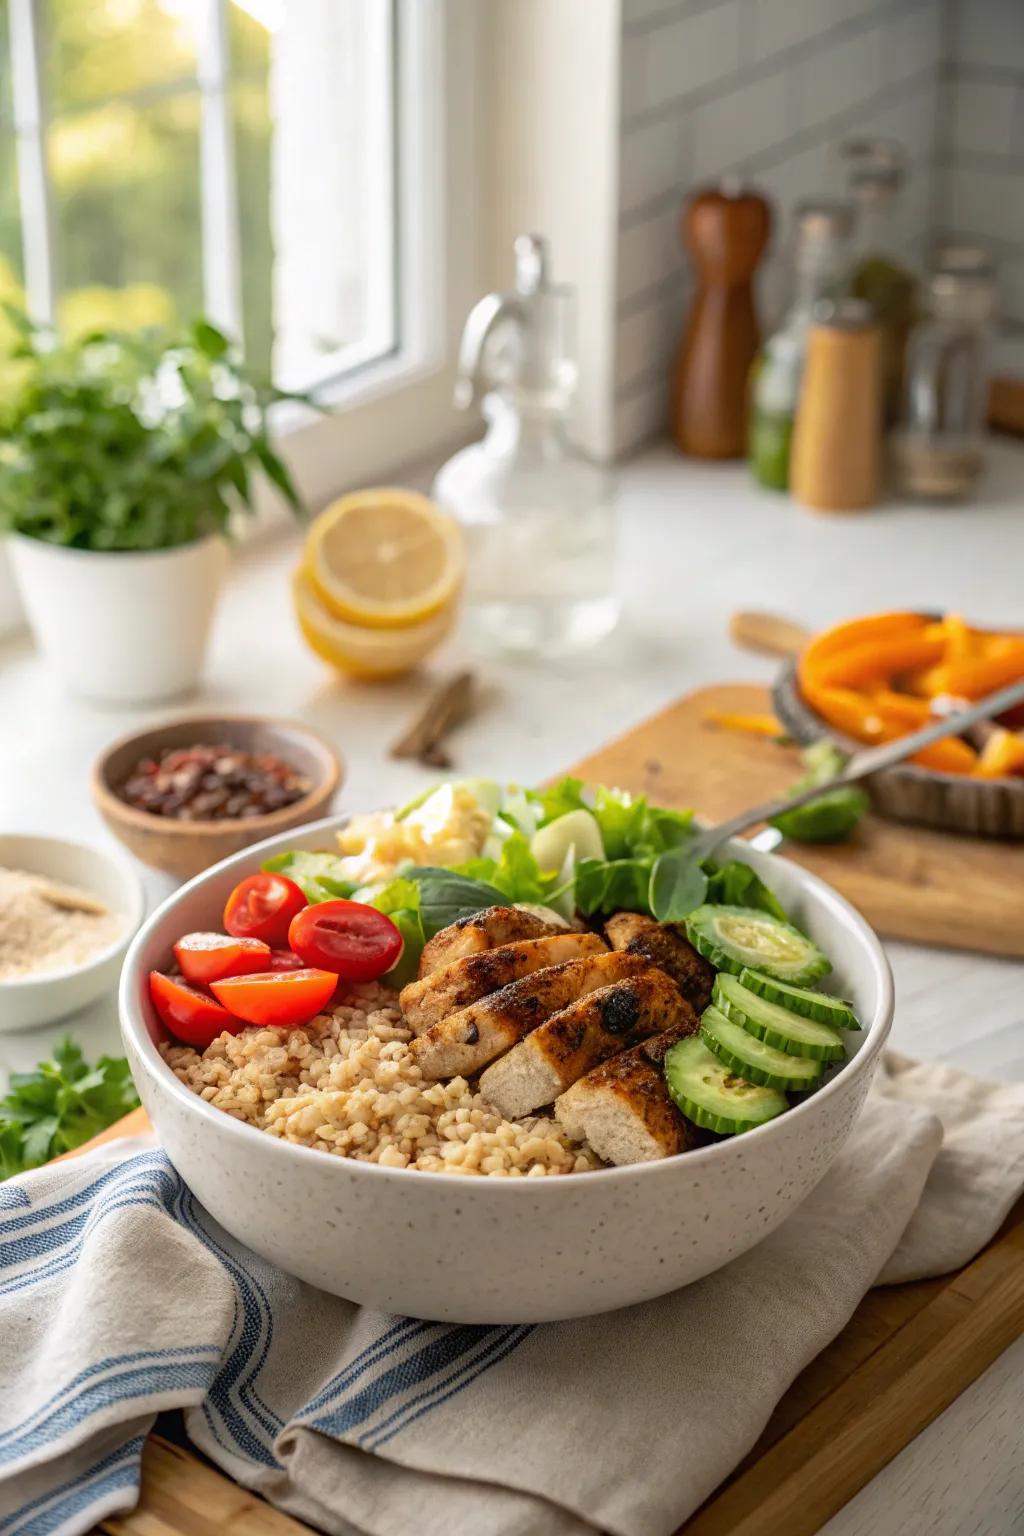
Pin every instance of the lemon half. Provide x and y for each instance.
(362, 652)
(384, 558)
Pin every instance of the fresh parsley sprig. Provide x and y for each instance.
(60, 1105)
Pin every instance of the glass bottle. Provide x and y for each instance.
(876, 170)
(821, 266)
(938, 450)
(538, 515)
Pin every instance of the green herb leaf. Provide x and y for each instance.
(736, 885)
(566, 795)
(60, 1105)
(613, 885)
(678, 885)
(446, 896)
(832, 816)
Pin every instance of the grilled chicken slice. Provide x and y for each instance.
(623, 1108)
(664, 946)
(464, 1043)
(428, 1001)
(488, 929)
(578, 1038)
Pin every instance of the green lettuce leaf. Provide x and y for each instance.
(321, 876)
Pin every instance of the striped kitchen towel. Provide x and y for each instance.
(119, 1297)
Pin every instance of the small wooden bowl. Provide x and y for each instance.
(183, 848)
(949, 802)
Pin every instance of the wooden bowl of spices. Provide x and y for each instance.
(187, 793)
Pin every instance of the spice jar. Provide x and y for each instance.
(837, 440)
(821, 263)
(938, 450)
(876, 172)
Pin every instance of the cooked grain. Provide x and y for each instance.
(346, 1083)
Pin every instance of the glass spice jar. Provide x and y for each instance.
(938, 450)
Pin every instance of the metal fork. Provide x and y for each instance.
(860, 766)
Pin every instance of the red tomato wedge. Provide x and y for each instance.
(357, 942)
(261, 907)
(277, 998)
(190, 1016)
(206, 957)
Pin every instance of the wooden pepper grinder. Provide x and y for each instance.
(725, 229)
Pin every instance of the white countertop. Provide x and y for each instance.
(696, 542)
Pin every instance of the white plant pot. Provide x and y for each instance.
(122, 628)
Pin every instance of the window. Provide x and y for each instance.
(235, 157)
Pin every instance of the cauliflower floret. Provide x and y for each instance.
(450, 827)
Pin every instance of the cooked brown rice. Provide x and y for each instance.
(346, 1083)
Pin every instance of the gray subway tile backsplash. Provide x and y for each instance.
(769, 89)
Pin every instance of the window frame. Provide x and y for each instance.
(390, 411)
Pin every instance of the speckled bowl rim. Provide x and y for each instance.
(134, 1028)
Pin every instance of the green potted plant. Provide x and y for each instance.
(123, 459)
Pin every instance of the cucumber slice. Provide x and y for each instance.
(735, 937)
(776, 1025)
(752, 1058)
(836, 1011)
(707, 1093)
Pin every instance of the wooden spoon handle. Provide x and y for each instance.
(767, 632)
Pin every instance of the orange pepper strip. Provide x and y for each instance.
(830, 642)
(877, 661)
(974, 679)
(854, 714)
(754, 725)
(1002, 754)
(950, 755)
(913, 713)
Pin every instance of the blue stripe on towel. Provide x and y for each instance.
(120, 1469)
(246, 1358)
(137, 1163)
(412, 1372)
(141, 1382)
(374, 1440)
(398, 1335)
(109, 1364)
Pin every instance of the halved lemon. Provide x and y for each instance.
(384, 558)
(362, 652)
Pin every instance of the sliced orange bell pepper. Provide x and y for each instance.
(1002, 755)
(854, 714)
(878, 661)
(948, 756)
(754, 725)
(975, 678)
(913, 713)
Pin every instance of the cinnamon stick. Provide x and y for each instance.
(448, 704)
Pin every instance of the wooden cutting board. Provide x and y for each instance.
(908, 1351)
(910, 883)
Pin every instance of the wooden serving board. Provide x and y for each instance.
(908, 1351)
(910, 883)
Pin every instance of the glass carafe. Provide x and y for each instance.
(538, 515)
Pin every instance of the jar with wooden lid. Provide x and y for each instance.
(938, 450)
(835, 465)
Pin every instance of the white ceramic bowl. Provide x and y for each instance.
(46, 998)
(481, 1250)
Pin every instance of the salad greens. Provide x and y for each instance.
(321, 876)
(60, 1105)
(645, 865)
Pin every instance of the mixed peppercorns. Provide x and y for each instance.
(213, 783)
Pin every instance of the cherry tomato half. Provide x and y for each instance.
(206, 957)
(357, 942)
(285, 960)
(190, 1016)
(277, 998)
(261, 907)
